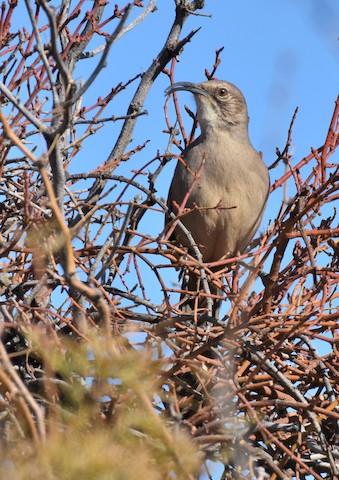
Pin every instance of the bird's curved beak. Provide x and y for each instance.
(188, 86)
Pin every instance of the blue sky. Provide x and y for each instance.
(281, 54)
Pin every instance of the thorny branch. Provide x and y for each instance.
(84, 255)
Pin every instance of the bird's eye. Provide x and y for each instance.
(222, 92)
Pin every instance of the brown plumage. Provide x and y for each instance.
(230, 191)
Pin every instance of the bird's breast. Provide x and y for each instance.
(228, 186)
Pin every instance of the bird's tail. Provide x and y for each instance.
(195, 299)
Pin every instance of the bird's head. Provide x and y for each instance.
(220, 104)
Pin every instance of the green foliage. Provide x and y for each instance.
(101, 420)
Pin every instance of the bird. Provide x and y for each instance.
(227, 180)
